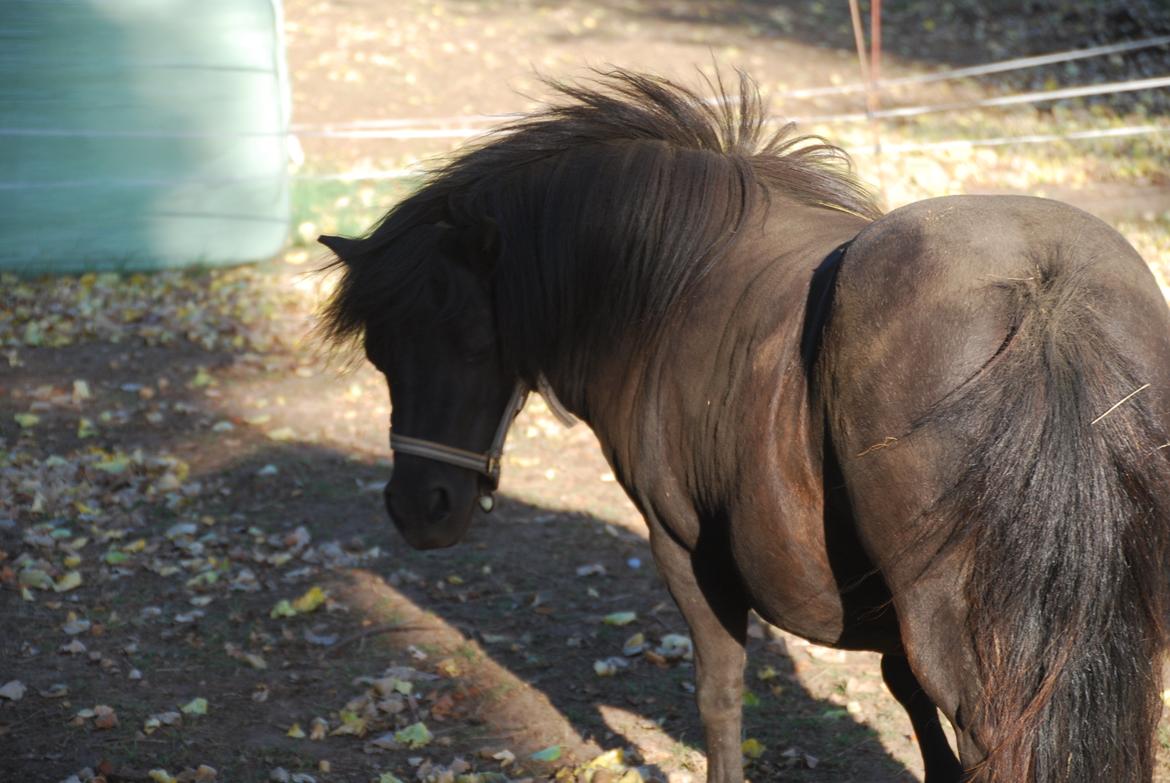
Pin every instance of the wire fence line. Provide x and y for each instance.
(1004, 141)
(1039, 96)
(1002, 66)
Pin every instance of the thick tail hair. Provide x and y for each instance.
(1063, 502)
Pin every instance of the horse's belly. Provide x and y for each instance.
(809, 615)
(828, 594)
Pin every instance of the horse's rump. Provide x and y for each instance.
(999, 421)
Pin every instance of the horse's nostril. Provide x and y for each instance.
(439, 504)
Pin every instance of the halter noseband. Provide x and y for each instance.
(486, 464)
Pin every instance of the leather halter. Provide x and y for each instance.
(486, 463)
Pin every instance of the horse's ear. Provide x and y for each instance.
(344, 247)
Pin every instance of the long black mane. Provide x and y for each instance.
(598, 214)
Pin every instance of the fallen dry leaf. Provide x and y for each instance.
(104, 717)
(416, 735)
(310, 601)
(620, 618)
(752, 748)
(197, 706)
(13, 690)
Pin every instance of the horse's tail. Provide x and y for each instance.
(1063, 501)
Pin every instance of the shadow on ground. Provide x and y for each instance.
(504, 618)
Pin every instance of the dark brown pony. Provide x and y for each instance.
(937, 434)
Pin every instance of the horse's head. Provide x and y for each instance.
(424, 308)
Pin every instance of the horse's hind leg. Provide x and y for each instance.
(937, 756)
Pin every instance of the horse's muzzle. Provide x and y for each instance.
(428, 519)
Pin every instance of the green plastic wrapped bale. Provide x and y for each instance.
(141, 134)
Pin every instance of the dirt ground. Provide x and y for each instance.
(195, 567)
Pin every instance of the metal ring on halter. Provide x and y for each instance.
(486, 463)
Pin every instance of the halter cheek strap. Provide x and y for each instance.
(486, 464)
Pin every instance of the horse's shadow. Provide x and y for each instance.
(526, 589)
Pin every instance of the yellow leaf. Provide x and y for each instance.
(752, 748)
(612, 760)
(295, 731)
(448, 667)
(85, 428)
(282, 434)
(351, 723)
(26, 420)
(310, 601)
(68, 582)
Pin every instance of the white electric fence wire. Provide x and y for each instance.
(1016, 64)
(1041, 96)
(1003, 141)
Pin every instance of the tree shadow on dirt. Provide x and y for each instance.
(923, 30)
